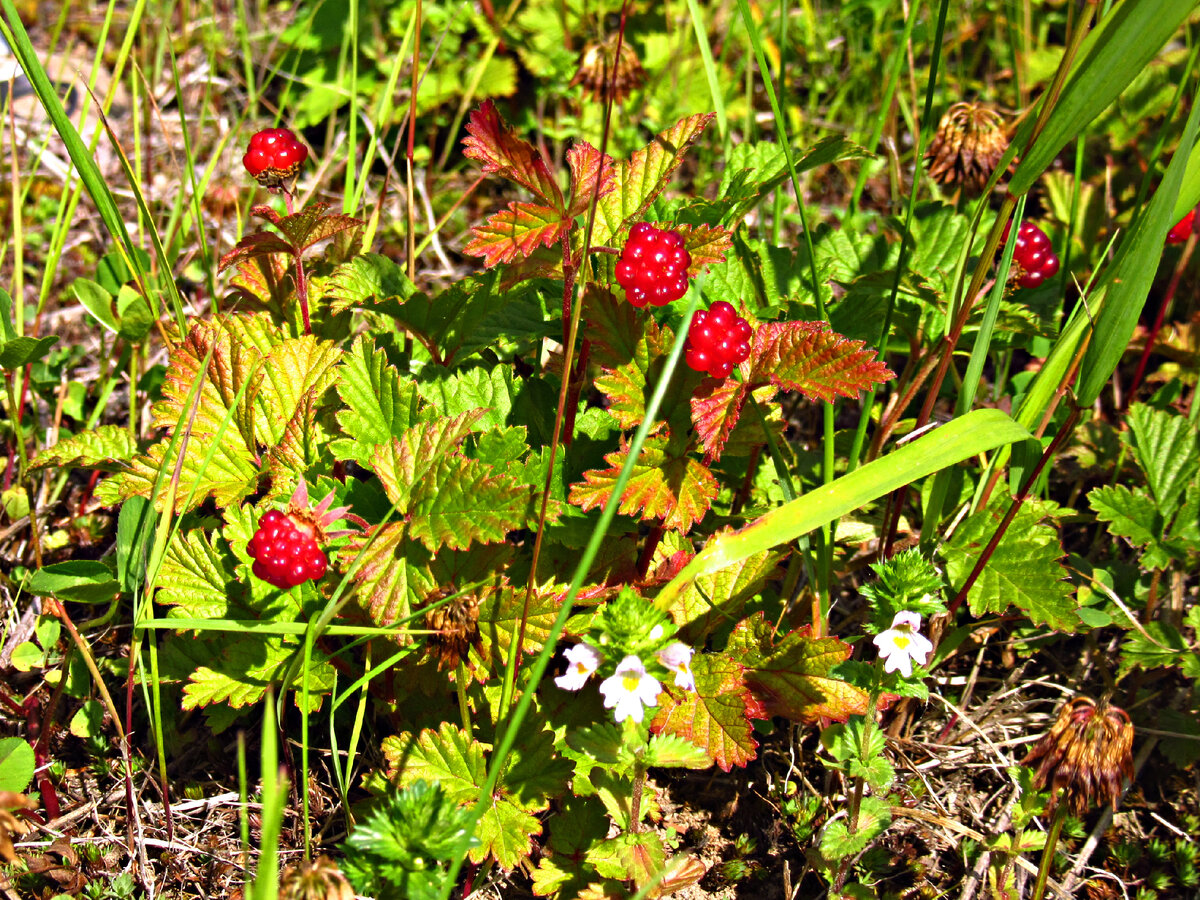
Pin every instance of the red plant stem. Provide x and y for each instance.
(653, 539)
(1014, 507)
(301, 281)
(1168, 298)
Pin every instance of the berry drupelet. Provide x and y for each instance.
(653, 267)
(285, 555)
(275, 157)
(1034, 257)
(718, 340)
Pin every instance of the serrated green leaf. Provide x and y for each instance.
(388, 568)
(487, 391)
(290, 371)
(243, 670)
(714, 717)
(838, 841)
(448, 757)
(643, 177)
(500, 617)
(1158, 645)
(101, 449)
(1024, 571)
(409, 458)
(1168, 452)
(666, 483)
(600, 743)
(196, 576)
(1131, 514)
(364, 280)
(793, 677)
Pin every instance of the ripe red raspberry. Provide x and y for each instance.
(274, 157)
(1035, 259)
(718, 340)
(1182, 229)
(283, 554)
(653, 266)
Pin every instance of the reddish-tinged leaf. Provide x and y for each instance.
(714, 717)
(263, 280)
(260, 243)
(309, 226)
(666, 484)
(589, 167)
(791, 678)
(405, 460)
(717, 408)
(516, 232)
(706, 244)
(809, 358)
(463, 501)
(497, 146)
(642, 178)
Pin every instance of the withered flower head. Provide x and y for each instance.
(1086, 753)
(969, 142)
(455, 627)
(320, 879)
(596, 70)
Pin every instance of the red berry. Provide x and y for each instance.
(1182, 229)
(274, 157)
(717, 340)
(653, 266)
(1034, 259)
(285, 555)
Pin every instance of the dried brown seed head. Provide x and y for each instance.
(455, 627)
(1087, 753)
(319, 879)
(604, 72)
(967, 147)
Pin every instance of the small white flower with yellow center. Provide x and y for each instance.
(903, 643)
(677, 656)
(582, 661)
(631, 688)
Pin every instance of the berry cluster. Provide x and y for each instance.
(1033, 255)
(653, 266)
(1182, 229)
(274, 157)
(718, 340)
(283, 554)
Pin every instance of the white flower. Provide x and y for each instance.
(582, 661)
(657, 632)
(631, 688)
(677, 656)
(903, 643)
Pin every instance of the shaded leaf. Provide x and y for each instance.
(718, 598)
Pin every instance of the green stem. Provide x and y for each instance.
(1056, 824)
